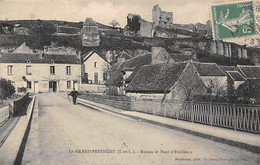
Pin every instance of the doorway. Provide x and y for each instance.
(52, 86)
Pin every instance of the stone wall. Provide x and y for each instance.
(146, 28)
(162, 18)
(122, 102)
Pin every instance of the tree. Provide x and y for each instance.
(114, 23)
(6, 88)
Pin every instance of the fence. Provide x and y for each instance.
(238, 117)
(4, 114)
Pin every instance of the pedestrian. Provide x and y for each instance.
(74, 95)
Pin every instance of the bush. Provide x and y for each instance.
(6, 88)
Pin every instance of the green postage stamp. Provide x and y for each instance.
(233, 20)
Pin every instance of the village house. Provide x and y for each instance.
(234, 80)
(123, 74)
(95, 68)
(41, 72)
(172, 81)
(213, 77)
(249, 71)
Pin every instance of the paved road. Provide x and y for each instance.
(62, 133)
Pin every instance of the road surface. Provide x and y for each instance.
(62, 133)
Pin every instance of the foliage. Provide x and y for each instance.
(114, 23)
(248, 92)
(6, 88)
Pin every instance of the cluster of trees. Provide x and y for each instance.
(6, 89)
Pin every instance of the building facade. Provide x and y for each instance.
(41, 73)
(95, 68)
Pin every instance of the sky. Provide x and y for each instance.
(103, 11)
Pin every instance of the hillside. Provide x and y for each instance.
(112, 39)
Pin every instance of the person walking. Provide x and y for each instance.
(74, 95)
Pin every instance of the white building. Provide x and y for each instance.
(95, 68)
(212, 76)
(41, 72)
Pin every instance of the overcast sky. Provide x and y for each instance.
(103, 11)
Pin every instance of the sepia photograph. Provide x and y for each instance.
(130, 82)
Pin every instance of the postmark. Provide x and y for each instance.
(233, 20)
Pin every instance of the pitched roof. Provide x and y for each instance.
(235, 75)
(89, 54)
(208, 69)
(133, 64)
(35, 58)
(124, 55)
(227, 68)
(156, 78)
(249, 71)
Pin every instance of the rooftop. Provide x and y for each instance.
(249, 71)
(156, 78)
(235, 75)
(208, 69)
(35, 58)
(227, 68)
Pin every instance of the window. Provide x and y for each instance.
(68, 84)
(52, 69)
(104, 76)
(29, 84)
(10, 69)
(28, 70)
(95, 64)
(68, 69)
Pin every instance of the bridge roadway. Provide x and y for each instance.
(62, 133)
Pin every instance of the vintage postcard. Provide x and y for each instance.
(123, 82)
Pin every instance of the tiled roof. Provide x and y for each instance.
(156, 78)
(35, 58)
(133, 64)
(208, 69)
(227, 68)
(235, 75)
(249, 71)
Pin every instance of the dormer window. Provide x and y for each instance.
(52, 61)
(28, 61)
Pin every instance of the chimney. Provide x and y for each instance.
(41, 55)
(79, 56)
